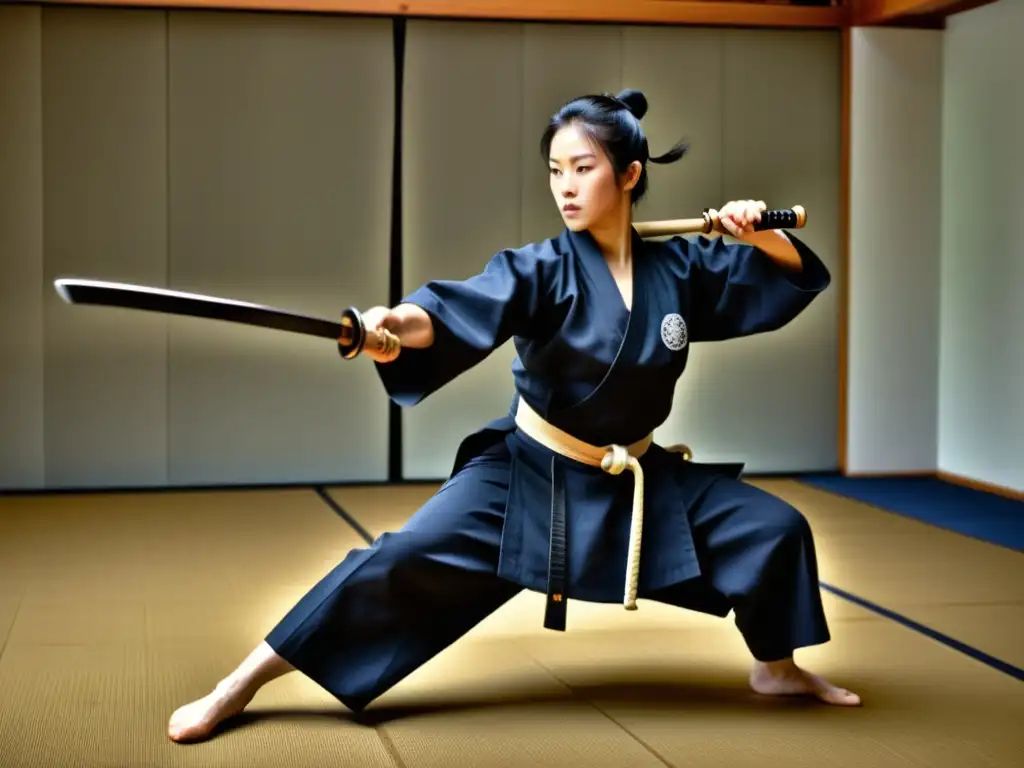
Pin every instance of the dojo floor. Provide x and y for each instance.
(115, 609)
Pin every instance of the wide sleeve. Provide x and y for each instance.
(471, 319)
(737, 290)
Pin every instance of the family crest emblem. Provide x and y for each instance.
(673, 332)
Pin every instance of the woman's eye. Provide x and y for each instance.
(583, 168)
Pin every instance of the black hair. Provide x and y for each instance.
(614, 123)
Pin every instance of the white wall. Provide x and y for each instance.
(981, 362)
(935, 321)
(893, 312)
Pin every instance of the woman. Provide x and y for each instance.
(602, 323)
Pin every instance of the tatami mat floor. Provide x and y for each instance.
(115, 609)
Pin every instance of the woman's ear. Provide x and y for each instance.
(632, 176)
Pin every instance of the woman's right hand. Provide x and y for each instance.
(379, 323)
(406, 323)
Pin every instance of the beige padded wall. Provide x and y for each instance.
(105, 184)
(280, 193)
(462, 201)
(769, 401)
(772, 400)
(244, 155)
(22, 462)
(895, 231)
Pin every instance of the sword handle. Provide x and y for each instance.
(355, 339)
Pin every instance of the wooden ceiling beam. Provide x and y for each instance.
(885, 12)
(727, 13)
(734, 13)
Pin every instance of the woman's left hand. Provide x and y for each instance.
(739, 216)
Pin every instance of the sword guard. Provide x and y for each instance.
(353, 334)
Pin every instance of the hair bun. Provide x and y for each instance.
(635, 102)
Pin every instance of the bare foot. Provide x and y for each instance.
(785, 678)
(197, 721)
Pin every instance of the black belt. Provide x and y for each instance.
(557, 600)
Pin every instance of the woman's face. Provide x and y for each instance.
(583, 180)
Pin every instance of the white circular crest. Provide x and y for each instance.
(673, 332)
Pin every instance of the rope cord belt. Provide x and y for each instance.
(614, 460)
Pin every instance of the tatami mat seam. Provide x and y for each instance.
(14, 618)
(950, 642)
(389, 746)
(342, 513)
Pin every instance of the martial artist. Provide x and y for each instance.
(543, 498)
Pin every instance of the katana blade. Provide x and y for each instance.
(349, 332)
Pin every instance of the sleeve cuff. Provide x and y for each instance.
(814, 276)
